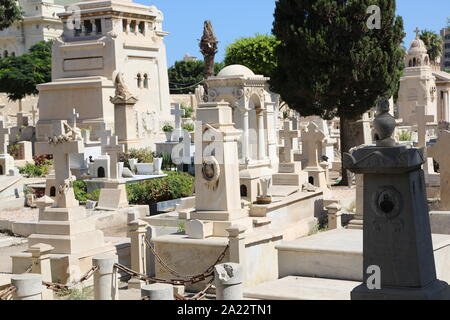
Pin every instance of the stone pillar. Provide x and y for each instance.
(446, 106)
(40, 257)
(236, 241)
(357, 222)
(398, 255)
(138, 232)
(334, 216)
(261, 135)
(245, 135)
(150, 257)
(94, 26)
(106, 280)
(158, 291)
(229, 281)
(29, 286)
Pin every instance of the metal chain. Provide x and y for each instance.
(173, 272)
(199, 296)
(59, 287)
(29, 269)
(7, 294)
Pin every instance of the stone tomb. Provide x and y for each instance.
(114, 195)
(6, 161)
(63, 224)
(440, 153)
(290, 173)
(218, 217)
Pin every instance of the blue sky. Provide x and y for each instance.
(233, 19)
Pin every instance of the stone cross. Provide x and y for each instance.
(417, 31)
(4, 138)
(33, 112)
(441, 153)
(422, 120)
(287, 134)
(22, 121)
(312, 137)
(75, 116)
(178, 112)
(113, 148)
(61, 151)
(103, 135)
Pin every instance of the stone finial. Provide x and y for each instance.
(384, 125)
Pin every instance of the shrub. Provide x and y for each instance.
(80, 190)
(176, 185)
(43, 160)
(189, 127)
(405, 136)
(167, 163)
(13, 150)
(188, 111)
(33, 171)
(167, 128)
(142, 155)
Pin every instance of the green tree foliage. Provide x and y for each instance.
(10, 12)
(19, 76)
(256, 53)
(434, 44)
(331, 64)
(184, 76)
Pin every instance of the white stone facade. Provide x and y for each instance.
(40, 22)
(114, 37)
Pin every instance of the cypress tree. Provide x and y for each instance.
(330, 63)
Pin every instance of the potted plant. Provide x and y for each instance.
(168, 129)
(157, 163)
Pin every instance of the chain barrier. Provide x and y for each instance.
(59, 287)
(7, 294)
(208, 271)
(189, 279)
(29, 269)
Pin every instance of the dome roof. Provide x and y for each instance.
(236, 70)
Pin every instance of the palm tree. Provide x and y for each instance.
(10, 12)
(434, 44)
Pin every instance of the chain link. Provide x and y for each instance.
(7, 294)
(59, 287)
(208, 271)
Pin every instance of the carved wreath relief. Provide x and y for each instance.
(387, 204)
(211, 172)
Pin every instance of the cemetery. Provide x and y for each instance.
(299, 183)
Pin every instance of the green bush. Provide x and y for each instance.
(13, 150)
(188, 111)
(405, 136)
(189, 127)
(34, 171)
(142, 155)
(176, 185)
(80, 190)
(167, 128)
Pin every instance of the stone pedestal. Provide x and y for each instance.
(228, 281)
(106, 281)
(6, 164)
(124, 124)
(113, 196)
(397, 233)
(29, 286)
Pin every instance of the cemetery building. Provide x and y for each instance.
(117, 51)
(421, 84)
(445, 61)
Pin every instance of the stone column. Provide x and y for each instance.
(40, 257)
(261, 135)
(245, 135)
(150, 257)
(446, 106)
(236, 241)
(158, 291)
(357, 222)
(106, 280)
(94, 26)
(29, 286)
(334, 216)
(229, 281)
(138, 232)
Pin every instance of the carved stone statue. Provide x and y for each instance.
(384, 125)
(121, 88)
(208, 48)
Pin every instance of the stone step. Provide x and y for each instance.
(302, 288)
(356, 224)
(338, 255)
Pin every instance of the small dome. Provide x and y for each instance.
(236, 70)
